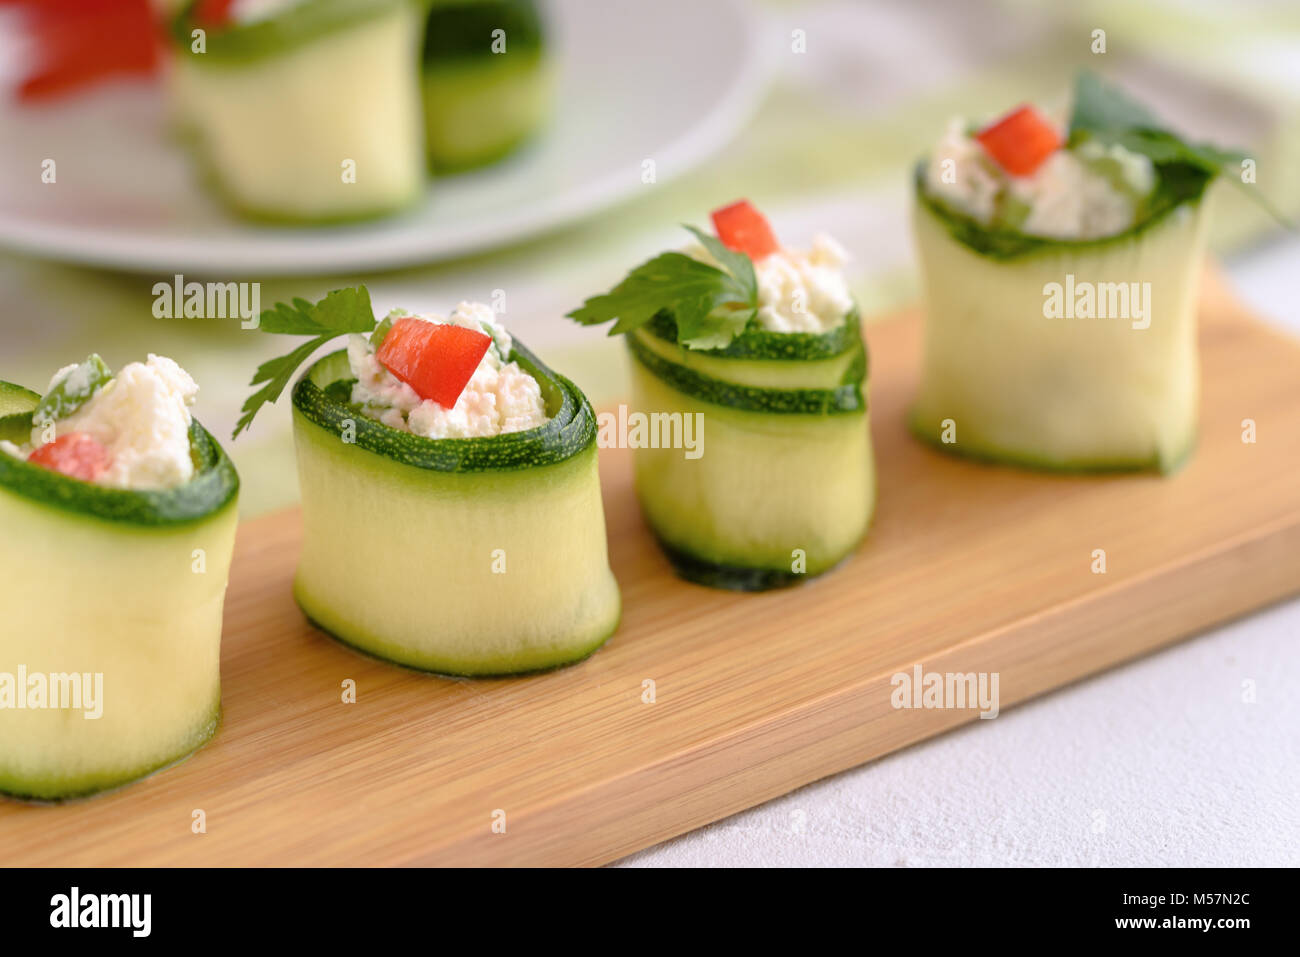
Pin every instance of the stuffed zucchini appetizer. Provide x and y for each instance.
(486, 80)
(1060, 270)
(452, 517)
(759, 346)
(304, 110)
(119, 516)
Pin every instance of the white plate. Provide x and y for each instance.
(670, 81)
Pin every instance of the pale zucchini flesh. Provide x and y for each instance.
(478, 111)
(487, 80)
(773, 499)
(126, 603)
(1002, 381)
(827, 373)
(328, 129)
(136, 599)
(488, 571)
(16, 399)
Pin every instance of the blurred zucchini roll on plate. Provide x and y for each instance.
(486, 80)
(119, 515)
(317, 111)
(452, 517)
(1060, 270)
(753, 350)
(304, 110)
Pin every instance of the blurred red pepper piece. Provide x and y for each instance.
(1021, 141)
(75, 454)
(743, 228)
(80, 42)
(213, 13)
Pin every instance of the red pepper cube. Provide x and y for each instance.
(1021, 141)
(743, 228)
(75, 454)
(435, 359)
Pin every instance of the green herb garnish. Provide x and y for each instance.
(339, 313)
(1106, 114)
(711, 305)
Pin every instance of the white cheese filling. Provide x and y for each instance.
(500, 396)
(1085, 193)
(252, 11)
(142, 419)
(798, 291)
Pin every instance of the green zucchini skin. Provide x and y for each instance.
(480, 106)
(214, 485)
(699, 571)
(758, 343)
(571, 428)
(847, 398)
(16, 399)
(59, 788)
(17, 404)
(1178, 184)
(1069, 395)
(401, 534)
(141, 613)
(783, 472)
(1169, 465)
(462, 29)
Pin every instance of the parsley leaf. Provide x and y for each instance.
(737, 263)
(1105, 113)
(340, 312)
(710, 305)
(1101, 106)
(343, 310)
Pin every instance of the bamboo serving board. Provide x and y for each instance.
(968, 568)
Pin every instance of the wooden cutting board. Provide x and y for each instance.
(968, 568)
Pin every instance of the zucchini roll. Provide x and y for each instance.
(759, 348)
(452, 516)
(304, 110)
(119, 513)
(1060, 275)
(486, 80)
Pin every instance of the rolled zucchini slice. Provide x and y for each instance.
(783, 486)
(109, 658)
(312, 115)
(479, 556)
(1008, 379)
(486, 80)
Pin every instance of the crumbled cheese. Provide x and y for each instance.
(142, 417)
(962, 175)
(1137, 173)
(1067, 200)
(500, 396)
(1067, 197)
(75, 378)
(798, 291)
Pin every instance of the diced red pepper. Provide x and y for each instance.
(75, 454)
(743, 228)
(79, 42)
(213, 13)
(435, 359)
(1021, 141)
